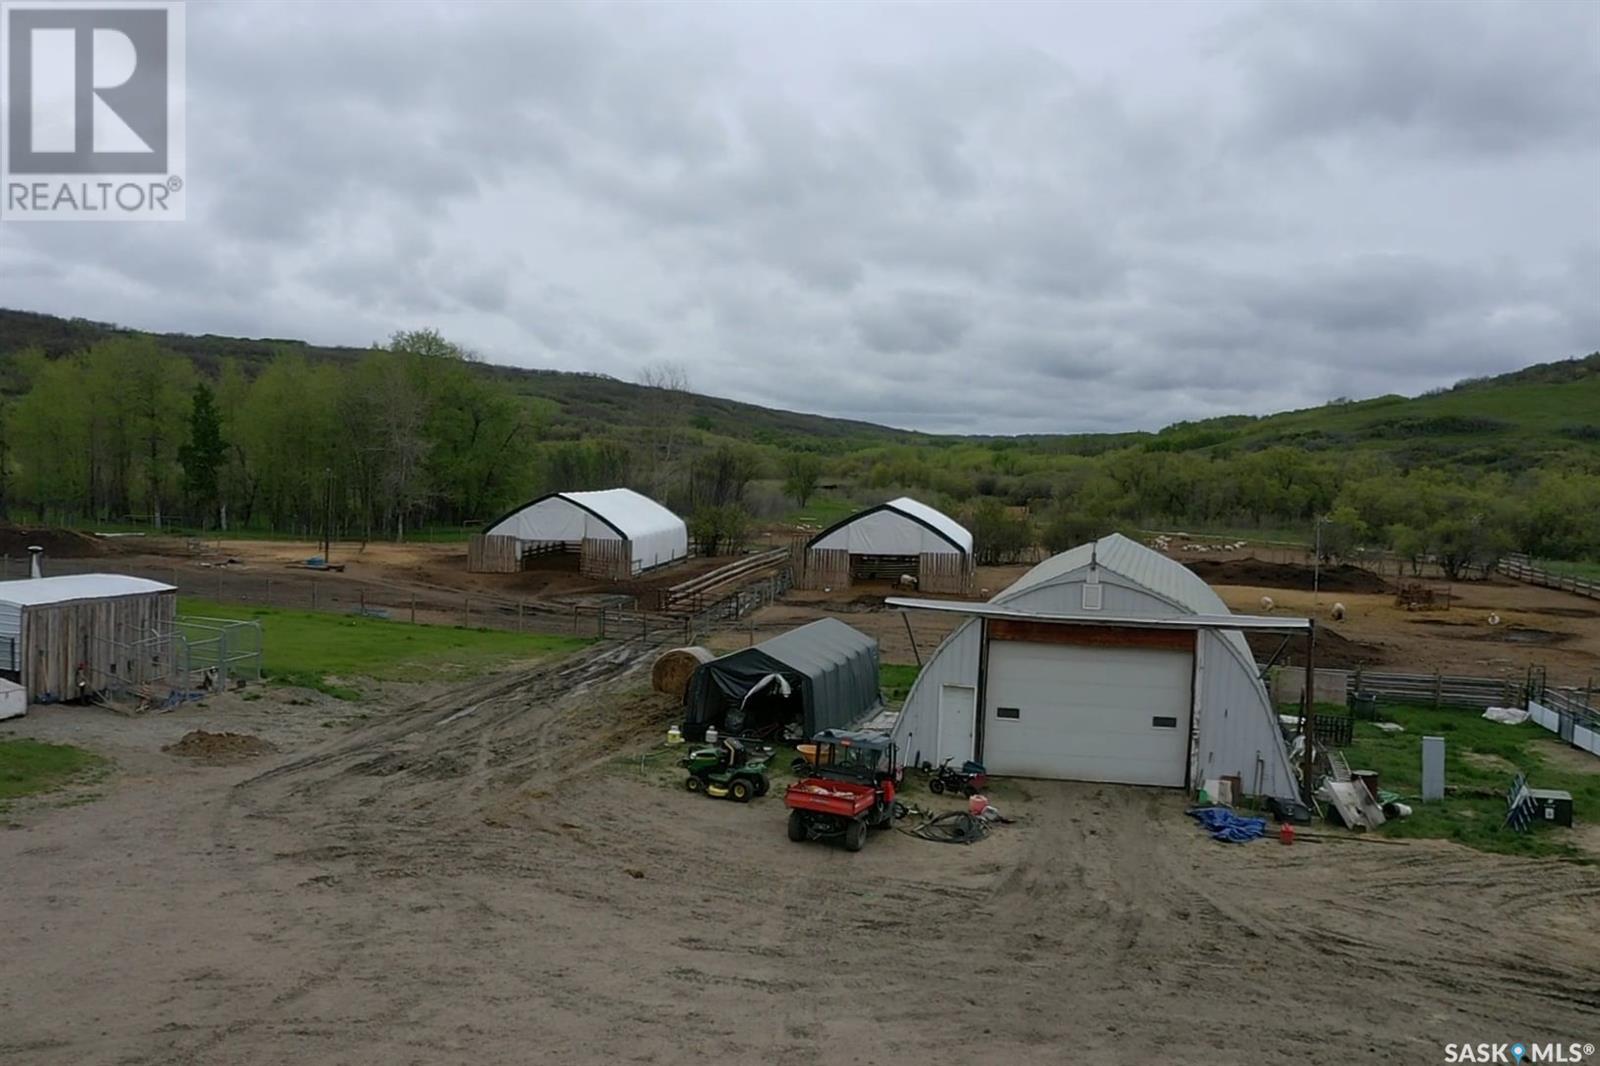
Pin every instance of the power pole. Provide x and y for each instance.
(1316, 565)
(327, 515)
(1308, 722)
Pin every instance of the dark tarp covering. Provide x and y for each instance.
(831, 667)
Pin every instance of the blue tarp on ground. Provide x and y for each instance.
(1226, 826)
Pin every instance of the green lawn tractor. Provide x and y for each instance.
(726, 770)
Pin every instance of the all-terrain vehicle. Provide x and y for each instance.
(968, 780)
(849, 786)
(726, 769)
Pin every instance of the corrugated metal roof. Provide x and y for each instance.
(1279, 624)
(1149, 569)
(934, 517)
(32, 592)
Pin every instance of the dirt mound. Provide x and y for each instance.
(1333, 651)
(59, 543)
(219, 747)
(1258, 572)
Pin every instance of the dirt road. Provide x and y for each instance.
(475, 878)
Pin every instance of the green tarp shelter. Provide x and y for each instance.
(830, 671)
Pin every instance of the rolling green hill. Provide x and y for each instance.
(1510, 422)
(98, 425)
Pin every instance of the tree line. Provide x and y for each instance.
(414, 435)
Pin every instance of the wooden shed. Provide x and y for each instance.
(65, 638)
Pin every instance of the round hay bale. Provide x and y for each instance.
(671, 673)
(1338, 612)
(1267, 604)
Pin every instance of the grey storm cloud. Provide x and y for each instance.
(981, 218)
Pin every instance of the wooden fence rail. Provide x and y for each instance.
(1521, 568)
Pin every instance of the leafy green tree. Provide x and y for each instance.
(1067, 527)
(203, 455)
(1343, 530)
(801, 472)
(719, 530)
(719, 477)
(998, 535)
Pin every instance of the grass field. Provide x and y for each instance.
(1582, 571)
(328, 651)
(895, 680)
(28, 767)
(822, 511)
(1480, 759)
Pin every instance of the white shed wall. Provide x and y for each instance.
(13, 699)
(657, 535)
(954, 662)
(10, 634)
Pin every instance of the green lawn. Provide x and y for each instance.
(1581, 570)
(321, 649)
(1480, 759)
(823, 511)
(895, 680)
(28, 766)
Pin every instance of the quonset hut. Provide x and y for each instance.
(901, 538)
(1108, 662)
(615, 533)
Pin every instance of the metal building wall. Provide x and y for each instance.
(954, 662)
(1234, 717)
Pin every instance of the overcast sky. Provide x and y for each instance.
(960, 218)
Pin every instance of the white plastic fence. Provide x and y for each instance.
(1579, 732)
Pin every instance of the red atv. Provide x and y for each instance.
(849, 786)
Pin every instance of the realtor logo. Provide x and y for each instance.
(92, 96)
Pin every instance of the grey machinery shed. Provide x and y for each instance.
(831, 668)
(1109, 662)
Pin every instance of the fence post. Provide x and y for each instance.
(363, 595)
(413, 608)
(519, 616)
(466, 611)
(314, 584)
(1438, 688)
(600, 625)
(269, 592)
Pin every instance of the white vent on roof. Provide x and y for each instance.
(1093, 591)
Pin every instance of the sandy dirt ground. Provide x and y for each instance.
(475, 876)
(1538, 627)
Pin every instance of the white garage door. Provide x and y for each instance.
(1082, 713)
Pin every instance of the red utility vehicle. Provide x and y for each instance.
(849, 786)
